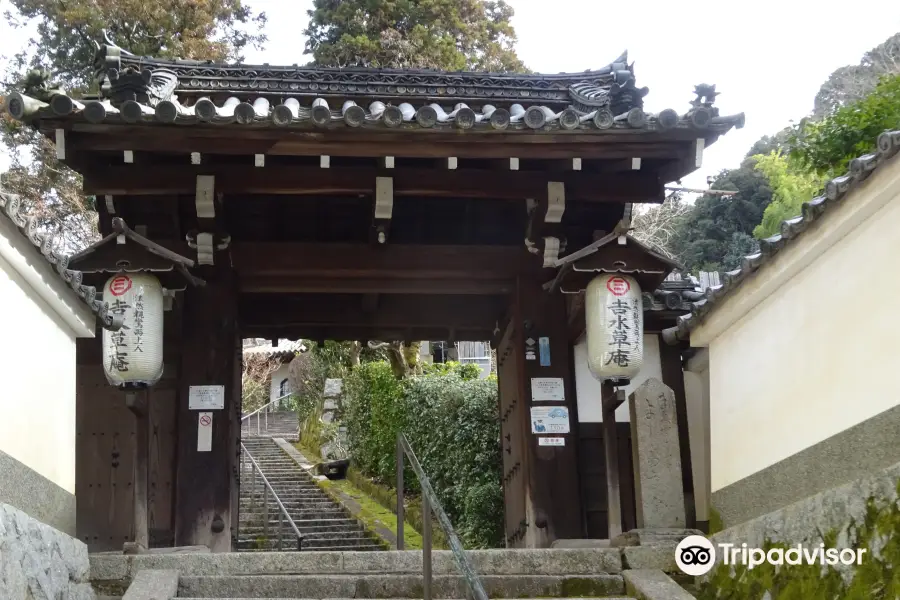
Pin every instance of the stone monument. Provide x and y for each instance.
(657, 459)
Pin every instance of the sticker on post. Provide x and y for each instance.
(547, 389)
(551, 441)
(529, 349)
(204, 432)
(544, 348)
(549, 419)
(206, 397)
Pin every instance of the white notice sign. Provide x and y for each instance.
(547, 389)
(545, 441)
(204, 432)
(206, 397)
(549, 419)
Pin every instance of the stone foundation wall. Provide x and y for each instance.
(862, 514)
(38, 562)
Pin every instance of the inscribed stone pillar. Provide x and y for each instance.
(657, 460)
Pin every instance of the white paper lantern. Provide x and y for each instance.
(614, 319)
(133, 355)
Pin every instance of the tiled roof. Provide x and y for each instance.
(285, 349)
(136, 89)
(835, 190)
(10, 208)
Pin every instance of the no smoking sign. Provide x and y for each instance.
(204, 432)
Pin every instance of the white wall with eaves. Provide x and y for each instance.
(808, 346)
(40, 318)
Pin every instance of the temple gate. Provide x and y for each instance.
(362, 205)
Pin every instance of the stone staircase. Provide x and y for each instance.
(277, 424)
(324, 523)
(638, 572)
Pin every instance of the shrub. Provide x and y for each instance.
(450, 419)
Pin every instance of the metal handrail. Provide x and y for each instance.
(267, 489)
(430, 503)
(257, 413)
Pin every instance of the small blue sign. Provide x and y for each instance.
(544, 347)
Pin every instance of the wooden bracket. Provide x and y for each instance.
(61, 144)
(205, 198)
(556, 202)
(384, 197)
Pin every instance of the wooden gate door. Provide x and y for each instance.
(512, 404)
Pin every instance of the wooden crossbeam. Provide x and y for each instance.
(86, 137)
(393, 311)
(393, 261)
(459, 183)
(366, 332)
(374, 285)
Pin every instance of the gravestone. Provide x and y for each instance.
(331, 413)
(333, 388)
(659, 496)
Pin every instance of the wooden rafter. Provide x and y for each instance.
(468, 183)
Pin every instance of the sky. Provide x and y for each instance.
(767, 58)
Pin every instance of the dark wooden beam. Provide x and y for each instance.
(253, 283)
(394, 311)
(130, 180)
(366, 332)
(207, 480)
(87, 137)
(395, 261)
(673, 376)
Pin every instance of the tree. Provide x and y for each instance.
(452, 35)
(707, 233)
(657, 225)
(827, 146)
(64, 46)
(791, 187)
(852, 83)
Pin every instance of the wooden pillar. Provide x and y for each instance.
(673, 377)
(610, 401)
(207, 479)
(553, 502)
(137, 404)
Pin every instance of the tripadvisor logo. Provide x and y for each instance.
(696, 555)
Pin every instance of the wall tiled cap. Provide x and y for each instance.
(888, 145)
(11, 208)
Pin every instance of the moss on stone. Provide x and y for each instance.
(715, 521)
(374, 511)
(582, 587)
(877, 578)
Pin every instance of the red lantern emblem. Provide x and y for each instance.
(619, 286)
(120, 284)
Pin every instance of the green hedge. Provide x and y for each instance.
(450, 418)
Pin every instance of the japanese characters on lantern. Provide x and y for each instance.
(614, 317)
(132, 356)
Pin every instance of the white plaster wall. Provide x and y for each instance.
(819, 354)
(37, 382)
(587, 388)
(275, 384)
(696, 392)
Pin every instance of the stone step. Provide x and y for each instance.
(313, 516)
(290, 545)
(568, 562)
(253, 531)
(396, 586)
(318, 540)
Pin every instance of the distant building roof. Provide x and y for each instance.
(835, 191)
(285, 349)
